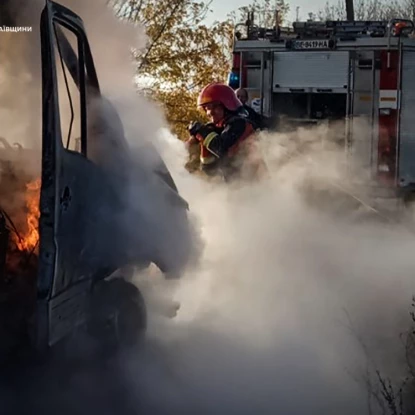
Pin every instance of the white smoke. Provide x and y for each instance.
(269, 322)
(292, 303)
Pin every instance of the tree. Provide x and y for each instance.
(370, 10)
(265, 12)
(184, 53)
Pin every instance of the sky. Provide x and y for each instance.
(221, 8)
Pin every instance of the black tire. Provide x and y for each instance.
(117, 316)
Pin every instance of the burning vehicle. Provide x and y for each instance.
(99, 210)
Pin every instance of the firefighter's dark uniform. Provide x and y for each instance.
(254, 117)
(230, 148)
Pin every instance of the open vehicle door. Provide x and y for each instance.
(84, 236)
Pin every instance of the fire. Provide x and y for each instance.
(29, 237)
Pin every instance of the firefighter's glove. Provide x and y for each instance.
(194, 128)
(201, 131)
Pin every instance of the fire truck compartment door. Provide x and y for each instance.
(406, 169)
(322, 71)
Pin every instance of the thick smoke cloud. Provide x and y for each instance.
(288, 290)
(296, 304)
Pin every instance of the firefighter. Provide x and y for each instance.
(228, 145)
(242, 95)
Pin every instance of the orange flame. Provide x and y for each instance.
(30, 237)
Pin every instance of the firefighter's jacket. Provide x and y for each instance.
(231, 149)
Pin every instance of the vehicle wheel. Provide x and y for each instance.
(117, 316)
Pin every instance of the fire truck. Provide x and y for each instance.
(356, 73)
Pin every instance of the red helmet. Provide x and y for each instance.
(217, 92)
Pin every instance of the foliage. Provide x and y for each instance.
(368, 10)
(264, 10)
(182, 55)
(183, 52)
